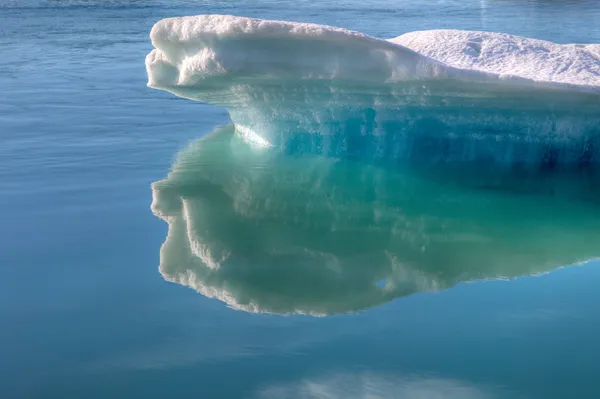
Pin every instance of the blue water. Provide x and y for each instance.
(84, 311)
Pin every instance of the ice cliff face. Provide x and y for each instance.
(437, 96)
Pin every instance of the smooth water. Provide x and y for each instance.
(89, 157)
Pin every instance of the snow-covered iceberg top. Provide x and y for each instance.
(198, 47)
(507, 55)
(439, 96)
(192, 48)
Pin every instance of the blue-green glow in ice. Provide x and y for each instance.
(270, 232)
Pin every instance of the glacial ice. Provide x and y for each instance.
(268, 232)
(430, 97)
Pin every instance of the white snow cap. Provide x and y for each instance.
(189, 49)
(502, 54)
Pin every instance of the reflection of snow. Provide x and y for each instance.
(377, 386)
(484, 14)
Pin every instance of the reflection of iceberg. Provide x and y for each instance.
(426, 96)
(380, 386)
(305, 234)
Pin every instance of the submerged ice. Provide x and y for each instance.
(427, 97)
(268, 232)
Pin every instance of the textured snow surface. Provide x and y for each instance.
(502, 54)
(189, 48)
(205, 46)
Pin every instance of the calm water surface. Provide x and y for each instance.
(86, 314)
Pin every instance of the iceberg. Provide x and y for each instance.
(269, 232)
(358, 170)
(425, 97)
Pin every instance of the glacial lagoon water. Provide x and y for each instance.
(146, 251)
